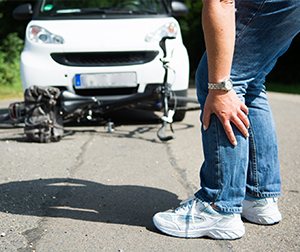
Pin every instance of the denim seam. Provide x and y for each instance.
(254, 161)
(230, 209)
(258, 9)
(218, 157)
(221, 209)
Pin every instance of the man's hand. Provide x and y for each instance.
(229, 108)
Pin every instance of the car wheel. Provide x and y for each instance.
(179, 116)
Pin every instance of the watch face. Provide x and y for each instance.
(228, 84)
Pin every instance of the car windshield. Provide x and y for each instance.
(99, 8)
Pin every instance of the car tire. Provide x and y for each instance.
(179, 116)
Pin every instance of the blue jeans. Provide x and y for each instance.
(264, 31)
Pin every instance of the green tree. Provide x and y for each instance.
(9, 59)
(12, 46)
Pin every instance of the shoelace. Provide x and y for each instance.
(189, 203)
(184, 202)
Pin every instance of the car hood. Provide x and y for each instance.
(104, 35)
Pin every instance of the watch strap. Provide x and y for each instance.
(225, 85)
(215, 85)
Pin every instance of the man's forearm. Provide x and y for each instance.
(218, 19)
(219, 32)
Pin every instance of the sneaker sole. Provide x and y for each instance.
(215, 233)
(263, 220)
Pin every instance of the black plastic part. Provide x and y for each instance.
(102, 59)
(179, 9)
(4, 117)
(23, 12)
(70, 102)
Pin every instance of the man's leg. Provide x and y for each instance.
(264, 32)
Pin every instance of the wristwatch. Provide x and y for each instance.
(225, 85)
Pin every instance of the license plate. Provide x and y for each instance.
(105, 80)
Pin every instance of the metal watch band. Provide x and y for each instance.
(225, 85)
(214, 85)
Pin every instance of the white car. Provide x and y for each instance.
(104, 48)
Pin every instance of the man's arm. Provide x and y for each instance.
(218, 19)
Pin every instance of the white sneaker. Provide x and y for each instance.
(195, 218)
(261, 211)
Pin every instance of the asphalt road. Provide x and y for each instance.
(98, 191)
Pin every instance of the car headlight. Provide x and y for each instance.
(168, 30)
(40, 35)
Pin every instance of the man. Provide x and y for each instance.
(240, 174)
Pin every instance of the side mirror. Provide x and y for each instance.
(23, 12)
(179, 9)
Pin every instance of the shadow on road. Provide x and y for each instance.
(85, 200)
